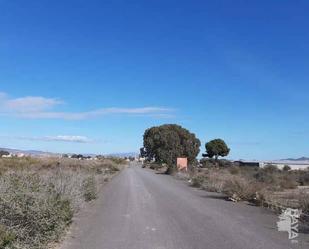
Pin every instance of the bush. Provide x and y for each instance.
(39, 196)
(117, 160)
(234, 170)
(210, 163)
(287, 181)
(265, 176)
(36, 213)
(197, 181)
(90, 189)
(270, 168)
(207, 163)
(225, 163)
(240, 188)
(215, 180)
(303, 199)
(303, 177)
(155, 166)
(171, 170)
(286, 168)
(6, 237)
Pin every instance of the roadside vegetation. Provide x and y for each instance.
(259, 185)
(267, 186)
(38, 197)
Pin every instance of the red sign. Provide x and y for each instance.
(182, 163)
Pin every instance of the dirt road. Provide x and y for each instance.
(140, 209)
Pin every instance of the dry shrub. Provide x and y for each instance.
(171, 170)
(234, 170)
(240, 188)
(303, 177)
(33, 210)
(90, 188)
(263, 186)
(197, 181)
(6, 237)
(237, 187)
(38, 197)
(303, 199)
(286, 181)
(215, 180)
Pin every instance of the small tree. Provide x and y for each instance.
(286, 168)
(216, 148)
(4, 153)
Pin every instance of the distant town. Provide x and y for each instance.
(294, 163)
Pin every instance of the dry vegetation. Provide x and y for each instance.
(38, 197)
(266, 186)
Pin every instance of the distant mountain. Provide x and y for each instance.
(296, 159)
(38, 153)
(30, 152)
(128, 154)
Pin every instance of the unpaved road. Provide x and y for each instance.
(140, 209)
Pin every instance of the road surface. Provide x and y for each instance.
(140, 209)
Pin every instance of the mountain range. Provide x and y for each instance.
(297, 159)
(38, 153)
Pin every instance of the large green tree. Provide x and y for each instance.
(167, 142)
(216, 148)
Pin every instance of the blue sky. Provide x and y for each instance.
(91, 76)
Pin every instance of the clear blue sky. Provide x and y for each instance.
(91, 76)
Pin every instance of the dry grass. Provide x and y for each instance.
(38, 197)
(267, 186)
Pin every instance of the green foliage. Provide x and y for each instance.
(167, 142)
(286, 168)
(209, 162)
(142, 152)
(216, 148)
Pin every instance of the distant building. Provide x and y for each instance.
(280, 164)
(20, 155)
(247, 163)
(7, 156)
(292, 164)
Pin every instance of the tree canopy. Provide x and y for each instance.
(167, 142)
(4, 153)
(216, 148)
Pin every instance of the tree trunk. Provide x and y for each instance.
(216, 159)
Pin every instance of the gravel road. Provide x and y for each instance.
(140, 209)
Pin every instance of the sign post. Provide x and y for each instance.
(182, 163)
